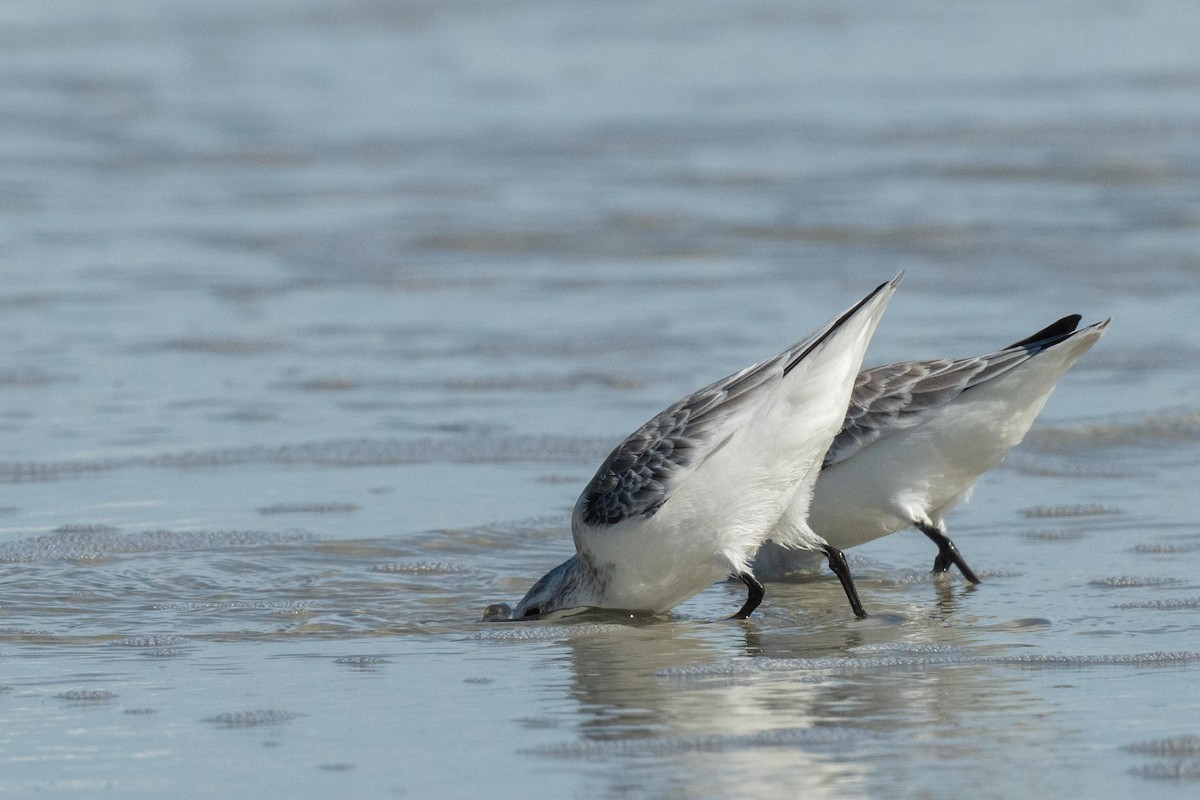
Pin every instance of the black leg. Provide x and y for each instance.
(837, 563)
(756, 595)
(947, 553)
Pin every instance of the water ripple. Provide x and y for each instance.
(337, 453)
(251, 719)
(830, 740)
(759, 666)
(1175, 747)
(90, 546)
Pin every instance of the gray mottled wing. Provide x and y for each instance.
(636, 477)
(897, 396)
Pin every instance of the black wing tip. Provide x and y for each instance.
(1050, 335)
(846, 315)
(893, 283)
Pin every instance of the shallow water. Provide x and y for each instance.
(317, 321)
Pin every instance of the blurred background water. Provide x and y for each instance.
(317, 317)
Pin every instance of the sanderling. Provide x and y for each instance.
(916, 437)
(690, 496)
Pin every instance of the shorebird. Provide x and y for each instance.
(916, 437)
(688, 498)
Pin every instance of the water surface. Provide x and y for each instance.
(317, 320)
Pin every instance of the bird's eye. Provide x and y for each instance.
(532, 612)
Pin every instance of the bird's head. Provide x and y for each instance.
(557, 590)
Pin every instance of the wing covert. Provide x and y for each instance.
(896, 396)
(636, 478)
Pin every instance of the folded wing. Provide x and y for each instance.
(891, 398)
